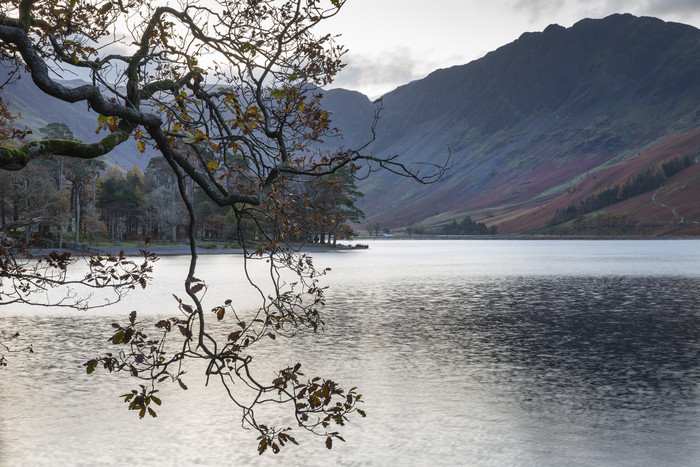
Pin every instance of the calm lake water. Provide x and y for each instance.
(467, 353)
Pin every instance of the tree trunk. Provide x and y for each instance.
(60, 174)
(77, 215)
(94, 196)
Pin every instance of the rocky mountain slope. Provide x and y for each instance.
(528, 122)
(535, 131)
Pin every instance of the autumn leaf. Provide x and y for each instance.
(262, 446)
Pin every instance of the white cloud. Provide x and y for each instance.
(392, 42)
(671, 10)
(377, 75)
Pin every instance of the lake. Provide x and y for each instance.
(467, 352)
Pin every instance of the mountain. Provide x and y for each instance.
(531, 124)
(352, 111)
(568, 130)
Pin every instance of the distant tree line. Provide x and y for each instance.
(55, 196)
(648, 180)
(467, 227)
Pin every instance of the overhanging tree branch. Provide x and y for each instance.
(228, 94)
(18, 158)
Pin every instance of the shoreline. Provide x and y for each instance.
(179, 250)
(525, 237)
(184, 250)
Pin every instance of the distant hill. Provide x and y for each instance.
(529, 123)
(351, 110)
(539, 131)
(37, 110)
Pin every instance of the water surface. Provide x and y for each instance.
(467, 353)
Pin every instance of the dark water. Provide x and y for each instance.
(468, 353)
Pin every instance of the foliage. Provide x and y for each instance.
(229, 95)
(120, 198)
(467, 227)
(331, 200)
(26, 277)
(648, 180)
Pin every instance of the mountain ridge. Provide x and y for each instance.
(529, 119)
(526, 128)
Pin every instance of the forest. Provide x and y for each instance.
(61, 201)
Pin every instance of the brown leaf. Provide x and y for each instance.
(185, 331)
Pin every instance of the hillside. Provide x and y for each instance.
(351, 110)
(526, 122)
(534, 129)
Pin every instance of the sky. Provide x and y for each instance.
(393, 42)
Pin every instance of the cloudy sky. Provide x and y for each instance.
(392, 42)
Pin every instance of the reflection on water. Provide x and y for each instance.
(459, 366)
(576, 370)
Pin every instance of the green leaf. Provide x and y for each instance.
(329, 442)
(90, 366)
(118, 338)
(362, 413)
